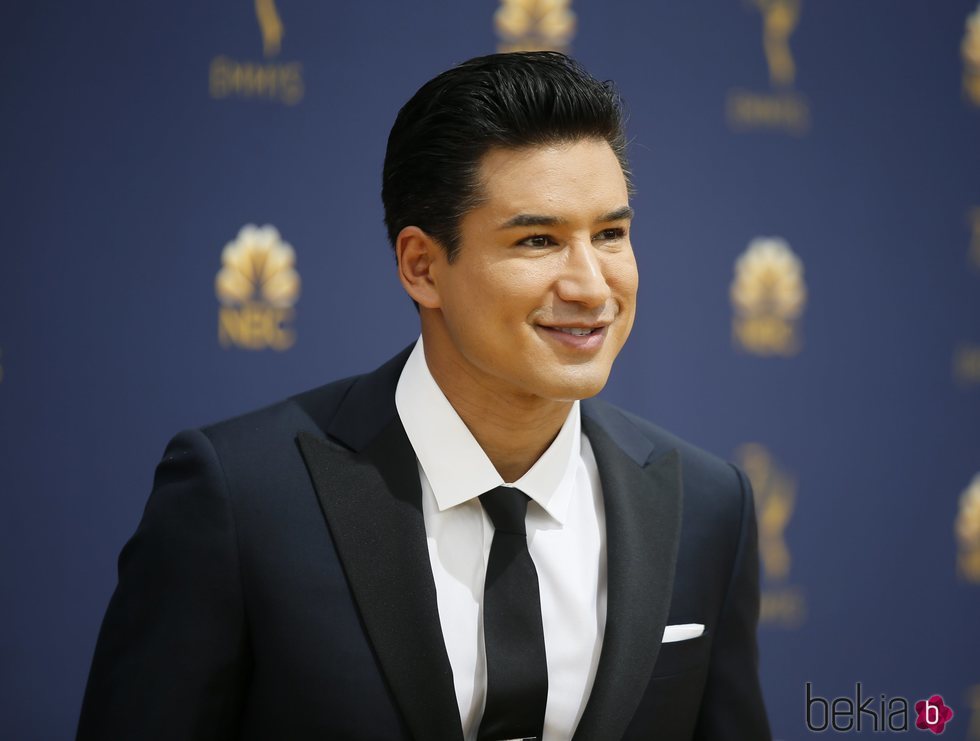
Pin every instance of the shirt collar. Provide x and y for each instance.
(453, 461)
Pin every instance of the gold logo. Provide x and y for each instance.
(768, 296)
(534, 25)
(782, 604)
(257, 287)
(270, 24)
(966, 364)
(967, 529)
(272, 81)
(972, 697)
(970, 49)
(779, 20)
(779, 108)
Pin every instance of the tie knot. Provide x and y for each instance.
(507, 507)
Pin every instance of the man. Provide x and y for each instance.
(453, 546)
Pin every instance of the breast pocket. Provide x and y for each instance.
(683, 656)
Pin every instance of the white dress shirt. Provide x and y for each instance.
(566, 538)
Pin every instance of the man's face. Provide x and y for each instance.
(541, 296)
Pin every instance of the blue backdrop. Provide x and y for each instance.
(808, 234)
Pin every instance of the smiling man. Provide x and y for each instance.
(463, 544)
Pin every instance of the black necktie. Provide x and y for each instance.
(517, 673)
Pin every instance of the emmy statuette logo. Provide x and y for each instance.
(269, 80)
(779, 20)
(782, 604)
(257, 287)
(970, 51)
(534, 25)
(779, 108)
(270, 25)
(768, 296)
(967, 528)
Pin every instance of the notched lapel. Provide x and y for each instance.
(372, 502)
(643, 517)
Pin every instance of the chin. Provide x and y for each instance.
(574, 386)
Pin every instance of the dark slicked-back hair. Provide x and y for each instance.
(431, 169)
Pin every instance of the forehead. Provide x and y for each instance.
(551, 178)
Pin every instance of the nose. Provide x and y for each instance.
(582, 279)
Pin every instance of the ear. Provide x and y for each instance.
(417, 253)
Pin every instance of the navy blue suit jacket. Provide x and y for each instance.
(279, 586)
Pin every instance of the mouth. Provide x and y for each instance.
(581, 337)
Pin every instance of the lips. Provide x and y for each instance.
(580, 337)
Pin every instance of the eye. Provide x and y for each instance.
(608, 235)
(537, 241)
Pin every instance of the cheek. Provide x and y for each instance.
(623, 278)
(514, 289)
(481, 303)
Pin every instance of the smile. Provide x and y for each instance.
(582, 339)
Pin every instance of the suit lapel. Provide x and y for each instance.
(642, 493)
(372, 500)
(366, 478)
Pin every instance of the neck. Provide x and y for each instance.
(513, 429)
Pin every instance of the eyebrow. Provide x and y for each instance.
(523, 220)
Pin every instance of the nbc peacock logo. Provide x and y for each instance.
(257, 287)
(534, 25)
(768, 296)
(968, 532)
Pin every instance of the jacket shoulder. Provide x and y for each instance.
(350, 407)
(306, 410)
(694, 459)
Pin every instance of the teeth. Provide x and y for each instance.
(575, 331)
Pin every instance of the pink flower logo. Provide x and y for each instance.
(934, 714)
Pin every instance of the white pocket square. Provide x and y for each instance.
(674, 633)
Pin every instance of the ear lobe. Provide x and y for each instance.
(417, 252)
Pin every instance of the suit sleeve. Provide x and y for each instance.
(171, 659)
(732, 707)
